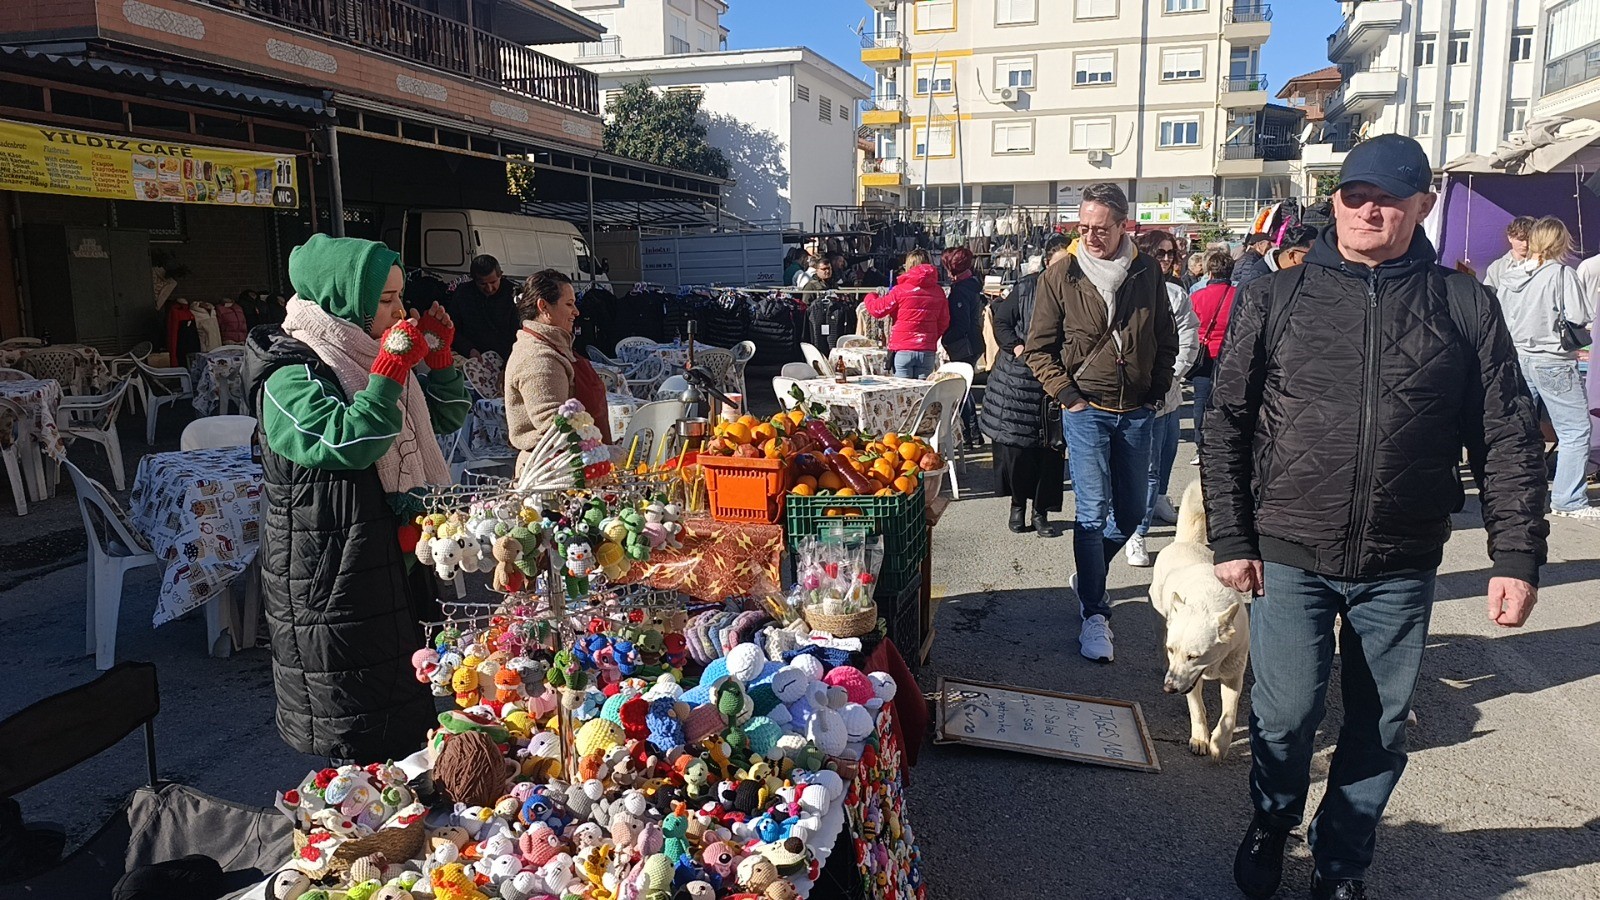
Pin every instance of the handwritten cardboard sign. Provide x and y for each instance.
(1084, 729)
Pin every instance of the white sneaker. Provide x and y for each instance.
(1583, 514)
(1196, 460)
(1165, 512)
(1136, 552)
(1094, 641)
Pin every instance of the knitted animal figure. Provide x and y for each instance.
(580, 565)
(451, 882)
(507, 578)
(676, 828)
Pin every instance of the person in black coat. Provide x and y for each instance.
(963, 340)
(1014, 410)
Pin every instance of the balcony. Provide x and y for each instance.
(883, 48)
(1364, 91)
(883, 111)
(1247, 24)
(1570, 86)
(883, 173)
(1244, 92)
(1369, 25)
(607, 47)
(402, 31)
(884, 5)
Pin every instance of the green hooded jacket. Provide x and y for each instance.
(309, 424)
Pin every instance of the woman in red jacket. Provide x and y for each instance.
(921, 314)
(1212, 304)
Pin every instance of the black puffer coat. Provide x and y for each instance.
(1013, 401)
(335, 589)
(1336, 450)
(963, 340)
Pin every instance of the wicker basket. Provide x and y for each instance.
(850, 625)
(394, 843)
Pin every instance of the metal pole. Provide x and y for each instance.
(927, 127)
(335, 184)
(594, 259)
(961, 158)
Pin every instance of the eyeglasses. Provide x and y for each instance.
(1100, 230)
(1168, 254)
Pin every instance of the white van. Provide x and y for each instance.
(446, 240)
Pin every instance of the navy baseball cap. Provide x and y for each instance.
(1392, 162)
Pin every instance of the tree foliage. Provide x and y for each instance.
(1203, 210)
(662, 128)
(519, 179)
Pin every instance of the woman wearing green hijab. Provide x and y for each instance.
(347, 425)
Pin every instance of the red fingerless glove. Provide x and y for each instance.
(439, 337)
(400, 348)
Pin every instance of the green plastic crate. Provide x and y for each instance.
(901, 520)
(901, 611)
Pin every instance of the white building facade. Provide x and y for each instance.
(641, 28)
(785, 118)
(1567, 45)
(1026, 102)
(1458, 75)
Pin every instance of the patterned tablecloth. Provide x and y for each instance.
(875, 404)
(862, 360)
(201, 510)
(79, 367)
(217, 376)
(490, 438)
(40, 399)
(718, 560)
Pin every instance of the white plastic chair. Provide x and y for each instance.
(10, 435)
(14, 375)
(633, 350)
(600, 359)
(655, 425)
(782, 387)
(216, 432)
(815, 358)
(717, 362)
(855, 340)
(163, 387)
(672, 388)
(22, 342)
(612, 379)
(955, 368)
(945, 396)
(95, 418)
(123, 366)
(115, 547)
(798, 371)
(743, 352)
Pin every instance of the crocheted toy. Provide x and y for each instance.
(569, 456)
(579, 564)
(507, 577)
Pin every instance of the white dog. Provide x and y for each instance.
(1208, 627)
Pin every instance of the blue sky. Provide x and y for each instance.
(1298, 43)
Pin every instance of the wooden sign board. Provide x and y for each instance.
(1094, 730)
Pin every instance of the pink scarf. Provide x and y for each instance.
(414, 459)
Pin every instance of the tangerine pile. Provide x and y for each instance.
(891, 463)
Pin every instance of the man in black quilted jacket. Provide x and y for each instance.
(1345, 393)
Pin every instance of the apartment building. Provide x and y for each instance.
(640, 28)
(1028, 101)
(1567, 60)
(1458, 75)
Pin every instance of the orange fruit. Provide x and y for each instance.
(884, 468)
(772, 449)
(796, 417)
(885, 492)
(748, 420)
(845, 492)
(891, 440)
(905, 484)
(737, 432)
(834, 511)
(910, 451)
(849, 452)
(854, 512)
(763, 432)
(808, 481)
(803, 489)
(830, 481)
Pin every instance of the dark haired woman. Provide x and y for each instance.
(544, 371)
(963, 338)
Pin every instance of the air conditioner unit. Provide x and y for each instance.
(1008, 95)
(1096, 157)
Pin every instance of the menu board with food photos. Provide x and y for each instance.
(47, 159)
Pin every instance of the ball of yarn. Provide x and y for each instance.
(471, 770)
(599, 734)
(763, 734)
(855, 682)
(745, 662)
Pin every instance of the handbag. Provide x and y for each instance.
(1055, 433)
(1572, 337)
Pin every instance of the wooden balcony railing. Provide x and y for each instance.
(396, 28)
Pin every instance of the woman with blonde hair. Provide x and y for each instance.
(1538, 296)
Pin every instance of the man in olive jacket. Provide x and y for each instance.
(1103, 343)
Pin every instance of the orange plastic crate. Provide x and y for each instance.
(746, 490)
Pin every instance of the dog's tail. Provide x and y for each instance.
(1192, 515)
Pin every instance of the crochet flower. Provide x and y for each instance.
(397, 342)
(570, 408)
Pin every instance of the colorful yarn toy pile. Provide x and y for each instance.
(570, 455)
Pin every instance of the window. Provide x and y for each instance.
(825, 109)
(1457, 113)
(677, 34)
(1093, 134)
(803, 93)
(1015, 72)
(1460, 45)
(1182, 131)
(1013, 137)
(1016, 12)
(936, 15)
(1000, 194)
(1425, 48)
(1184, 64)
(943, 79)
(1094, 68)
(1521, 45)
(1516, 117)
(938, 141)
(1422, 120)
(1183, 6)
(1096, 9)
(707, 42)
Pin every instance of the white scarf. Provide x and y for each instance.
(1107, 276)
(414, 459)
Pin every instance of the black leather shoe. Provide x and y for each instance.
(1337, 889)
(1258, 866)
(1019, 520)
(1041, 524)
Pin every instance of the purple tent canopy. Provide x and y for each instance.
(1477, 209)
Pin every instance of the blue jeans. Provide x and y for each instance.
(1108, 455)
(1163, 451)
(1202, 396)
(915, 363)
(1558, 385)
(1383, 628)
